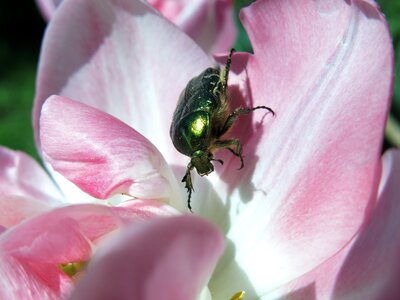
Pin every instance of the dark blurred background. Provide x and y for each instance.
(21, 31)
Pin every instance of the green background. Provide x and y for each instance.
(21, 31)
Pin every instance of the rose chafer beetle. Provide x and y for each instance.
(201, 118)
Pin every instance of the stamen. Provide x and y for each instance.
(72, 268)
(238, 296)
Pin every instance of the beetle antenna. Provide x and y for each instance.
(225, 74)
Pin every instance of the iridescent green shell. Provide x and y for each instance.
(191, 128)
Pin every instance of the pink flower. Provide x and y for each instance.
(40, 239)
(366, 268)
(209, 22)
(48, 7)
(43, 256)
(313, 214)
(25, 188)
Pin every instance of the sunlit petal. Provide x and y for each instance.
(367, 268)
(22, 176)
(311, 173)
(102, 155)
(123, 61)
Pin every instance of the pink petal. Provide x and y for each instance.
(127, 60)
(311, 173)
(174, 261)
(100, 154)
(64, 234)
(224, 25)
(23, 281)
(143, 210)
(25, 188)
(15, 209)
(59, 236)
(209, 22)
(31, 252)
(47, 7)
(22, 176)
(369, 267)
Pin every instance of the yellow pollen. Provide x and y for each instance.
(71, 269)
(238, 296)
(198, 126)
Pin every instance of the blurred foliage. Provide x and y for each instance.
(16, 94)
(391, 10)
(21, 31)
(242, 42)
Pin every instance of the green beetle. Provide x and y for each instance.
(201, 118)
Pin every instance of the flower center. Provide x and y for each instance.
(72, 268)
(238, 296)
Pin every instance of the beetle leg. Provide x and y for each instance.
(239, 112)
(187, 179)
(232, 145)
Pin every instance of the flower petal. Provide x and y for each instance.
(31, 252)
(15, 209)
(47, 7)
(311, 173)
(25, 188)
(369, 267)
(22, 176)
(174, 261)
(102, 155)
(143, 210)
(208, 22)
(24, 281)
(127, 60)
(61, 235)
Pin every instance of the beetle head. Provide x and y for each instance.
(201, 160)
